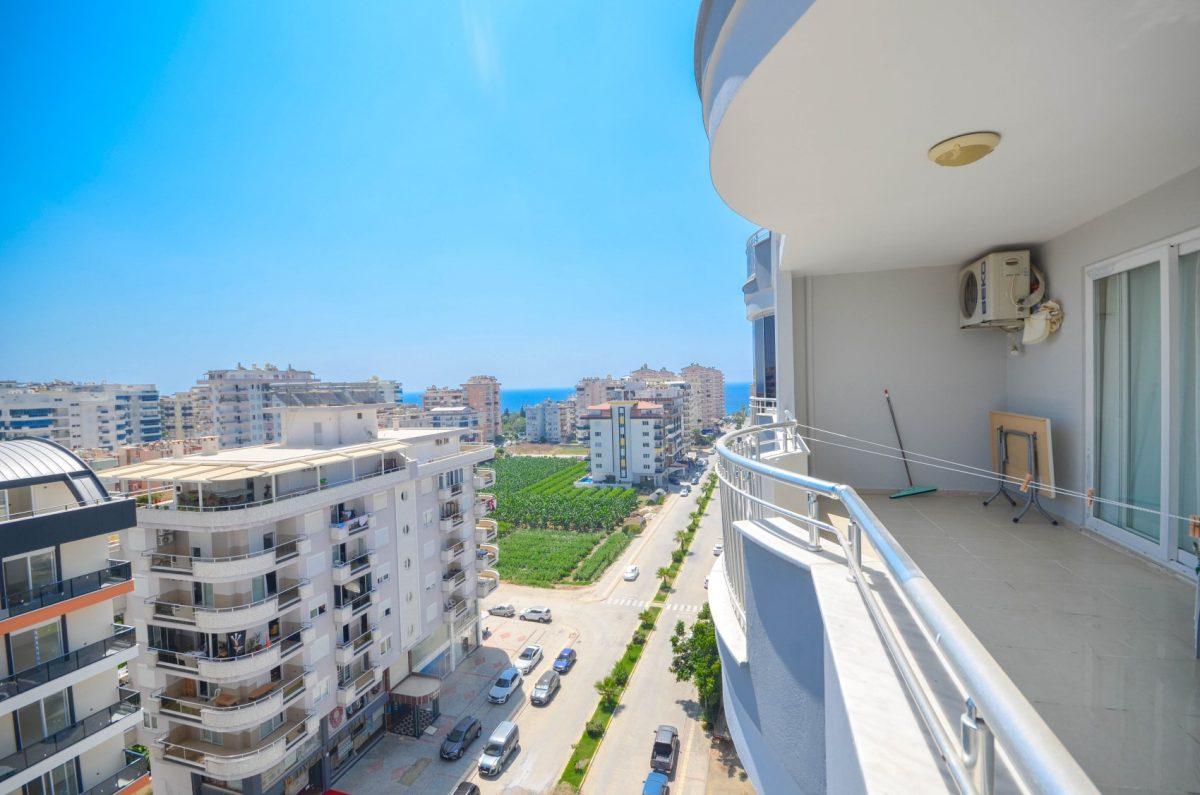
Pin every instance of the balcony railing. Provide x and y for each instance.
(17, 602)
(288, 641)
(169, 561)
(1036, 757)
(194, 706)
(136, 766)
(129, 704)
(183, 612)
(122, 638)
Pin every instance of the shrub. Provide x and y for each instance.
(621, 677)
(595, 728)
(639, 637)
(677, 556)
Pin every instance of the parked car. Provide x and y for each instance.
(501, 747)
(718, 548)
(665, 750)
(547, 685)
(686, 490)
(505, 610)
(528, 659)
(565, 660)
(465, 732)
(631, 573)
(466, 788)
(536, 614)
(505, 685)
(706, 582)
(655, 784)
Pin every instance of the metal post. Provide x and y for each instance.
(814, 532)
(856, 546)
(979, 750)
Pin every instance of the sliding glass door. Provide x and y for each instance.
(1143, 413)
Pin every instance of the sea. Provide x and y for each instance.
(737, 395)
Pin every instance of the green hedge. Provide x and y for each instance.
(602, 557)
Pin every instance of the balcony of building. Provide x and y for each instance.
(354, 606)
(176, 558)
(763, 410)
(455, 609)
(60, 593)
(486, 531)
(451, 520)
(130, 778)
(453, 551)
(446, 493)
(120, 646)
(347, 525)
(1076, 655)
(452, 579)
(239, 754)
(484, 504)
(488, 554)
(235, 707)
(232, 657)
(229, 610)
(117, 717)
(357, 680)
(487, 581)
(351, 568)
(484, 478)
(350, 650)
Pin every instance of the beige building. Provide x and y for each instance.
(480, 392)
(592, 391)
(706, 398)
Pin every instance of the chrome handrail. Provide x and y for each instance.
(1036, 757)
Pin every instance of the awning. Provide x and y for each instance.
(325, 460)
(417, 689)
(364, 452)
(282, 469)
(228, 473)
(392, 446)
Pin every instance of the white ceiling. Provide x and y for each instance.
(1098, 102)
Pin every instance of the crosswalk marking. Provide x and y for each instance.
(625, 601)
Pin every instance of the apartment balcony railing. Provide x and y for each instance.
(486, 531)
(484, 478)
(449, 524)
(346, 570)
(356, 688)
(166, 499)
(122, 639)
(351, 649)
(232, 667)
(136, 766)
(764, 407)
(245, 564)
(455, 608)
(484, 504)
(1036, 757)
(487, 581)
(348, 528)
(14, 603)
(488, 554)
(130, 703)
(452, 579)
(236, 763)
(347, 612)
(450, 492)
(453, 552)
(233, 710)
(233, 616)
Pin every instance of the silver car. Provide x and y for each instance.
(505, 685)
(547, 685)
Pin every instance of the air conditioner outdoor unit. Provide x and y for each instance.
(998, 290)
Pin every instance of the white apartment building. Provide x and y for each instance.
(289, 595)
(80, 416)
(932, 643)
(551, 421)
(706, 397)
(626, 442)
(592, 391)
(183, 414)
(68, 721)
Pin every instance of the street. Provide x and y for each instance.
(597, 621)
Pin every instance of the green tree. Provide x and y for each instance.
(609, 692)
(696, 659)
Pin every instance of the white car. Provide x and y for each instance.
(541, 614)
(528, 659)
(718, 548)
(506, 684)
(632, 573)
(686, 490)
(505, 610)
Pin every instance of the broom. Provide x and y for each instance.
(911, 490)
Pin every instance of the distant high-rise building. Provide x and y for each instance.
(592, 391)
(651, 376)
(551, 421)
(707, 396)
(480, 392)
(80, 416)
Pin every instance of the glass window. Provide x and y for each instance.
(36, 646)
(764, 357)
(40, 719)
(1127, 401)
(1187, 387)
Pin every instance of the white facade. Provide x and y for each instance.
(81, 416)
(626, 442)
(287, 587)
(551, 421)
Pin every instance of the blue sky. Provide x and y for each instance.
(421, 191)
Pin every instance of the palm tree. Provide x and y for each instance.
(609, 692)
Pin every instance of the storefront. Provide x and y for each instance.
(351, 739)
(413, 705)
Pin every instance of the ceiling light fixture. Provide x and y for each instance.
(962, 150)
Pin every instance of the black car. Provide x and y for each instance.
(462, 735)
(665, 750)
(466, 788)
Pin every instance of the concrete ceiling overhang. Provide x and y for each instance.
(826, 140)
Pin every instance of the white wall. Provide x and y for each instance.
(899, 330)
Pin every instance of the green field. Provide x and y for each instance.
(542, 557)
(540, 493)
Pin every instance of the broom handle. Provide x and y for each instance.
(899, 443)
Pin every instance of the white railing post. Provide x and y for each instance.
(814, 532)
(979, 750)
(856, 546)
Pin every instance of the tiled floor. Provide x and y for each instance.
(1099, 640)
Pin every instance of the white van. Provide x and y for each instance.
(501, 747)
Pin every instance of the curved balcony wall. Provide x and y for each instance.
(237, 617)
